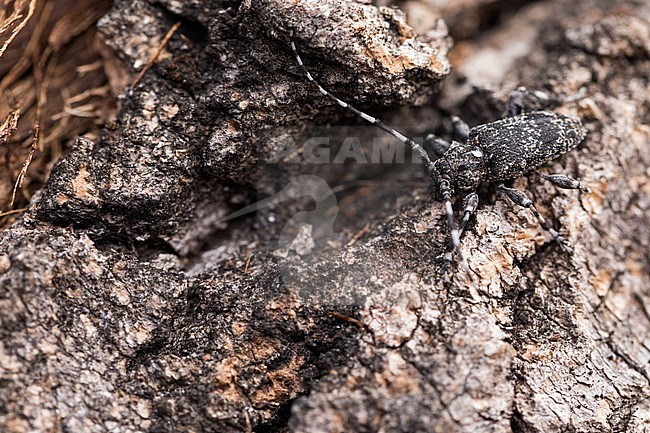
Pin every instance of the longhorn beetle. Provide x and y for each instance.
(493, 152)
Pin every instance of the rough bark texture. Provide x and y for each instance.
(129, 303)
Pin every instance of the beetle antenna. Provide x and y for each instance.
(378, 123)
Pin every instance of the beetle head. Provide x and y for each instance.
(465, 165)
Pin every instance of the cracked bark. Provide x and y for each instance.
(130, 305)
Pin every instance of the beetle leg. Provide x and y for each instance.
(445, 192)
(461, 129)
(438, 145)
(520, 198)
(523, 100)
(564, 181)
(470, 203)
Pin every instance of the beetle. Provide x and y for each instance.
(493, 152)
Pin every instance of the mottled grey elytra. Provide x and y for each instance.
(508, 148)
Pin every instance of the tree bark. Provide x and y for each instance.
(132, 300)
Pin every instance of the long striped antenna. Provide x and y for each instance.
(444, 187)
(378, 123)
